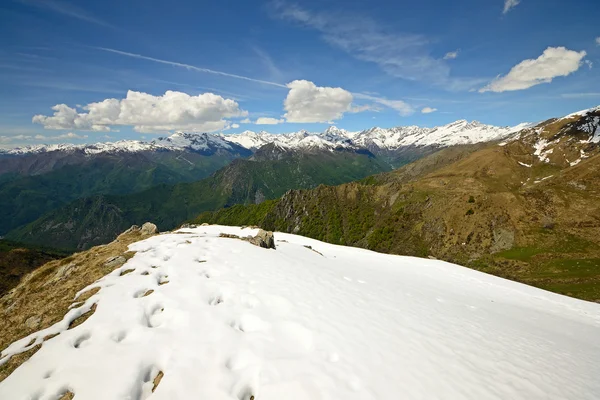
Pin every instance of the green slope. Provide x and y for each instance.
(25, 199)
(96, 220)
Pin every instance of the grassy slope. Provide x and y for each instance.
(96, 220)
(17, 259)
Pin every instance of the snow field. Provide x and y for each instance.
(223, 319)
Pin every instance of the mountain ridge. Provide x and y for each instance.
(387, 138)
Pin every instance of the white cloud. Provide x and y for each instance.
(598, 41)
(402, 107)
(554, 62)
(147, 113)
(451, 55)
(307, 102)
(428, 110)
(235, 126)
(39, 138)
(245, 121)
(509, 5)
(268, 121)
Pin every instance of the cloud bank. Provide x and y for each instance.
(147, 113)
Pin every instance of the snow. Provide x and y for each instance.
(331, 322)
(525, 165)
(459, 132)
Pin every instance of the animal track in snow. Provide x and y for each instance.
(150, 380)
(119, 336)
(152, 318)
(143, 293)
(81, 340)
(249, 323)
(216, 300)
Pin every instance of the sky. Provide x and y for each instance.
(79, 72)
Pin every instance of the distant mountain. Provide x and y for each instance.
(526, 208)
(35, 180)
(374, 139)
(271, 172)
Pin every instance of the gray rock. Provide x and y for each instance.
(148, 229)
(33, 322)
(263, 239)
(114, 262)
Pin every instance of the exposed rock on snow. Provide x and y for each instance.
(236, 322)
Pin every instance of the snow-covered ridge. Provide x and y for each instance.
(459, 132)
(219, 318)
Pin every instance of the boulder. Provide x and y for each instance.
(263, 239)
(148, 229)
(114, 262)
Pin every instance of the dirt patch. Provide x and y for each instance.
(127, 271)
(67, 396)
(83, 317)
(157, 380)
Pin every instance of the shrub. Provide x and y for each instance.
(471, 199)
(470, 212)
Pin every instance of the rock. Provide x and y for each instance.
(148, 229)
(263, 239)
(33, 322)
(115, 262)
(188, 226)
(205, 224)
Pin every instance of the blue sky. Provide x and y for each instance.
(296, 65)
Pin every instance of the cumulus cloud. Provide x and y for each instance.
(245, 121)
(598, 41)
(307, 102)
(147, 113)
(509, 5)
(235, 126)
(428, 110)
(268, 121)
(451, 55)
(554, 62)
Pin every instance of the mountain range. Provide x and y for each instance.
(521, 202)
(38, 180)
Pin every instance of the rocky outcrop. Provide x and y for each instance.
(263, 239)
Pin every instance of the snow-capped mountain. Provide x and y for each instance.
(200, 142)
(562, 141)
(196, 315)
(459, 132)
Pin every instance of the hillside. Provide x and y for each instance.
(96, 220)
(307, 320)
(25, 199)
(527, 209)
(18, 259)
